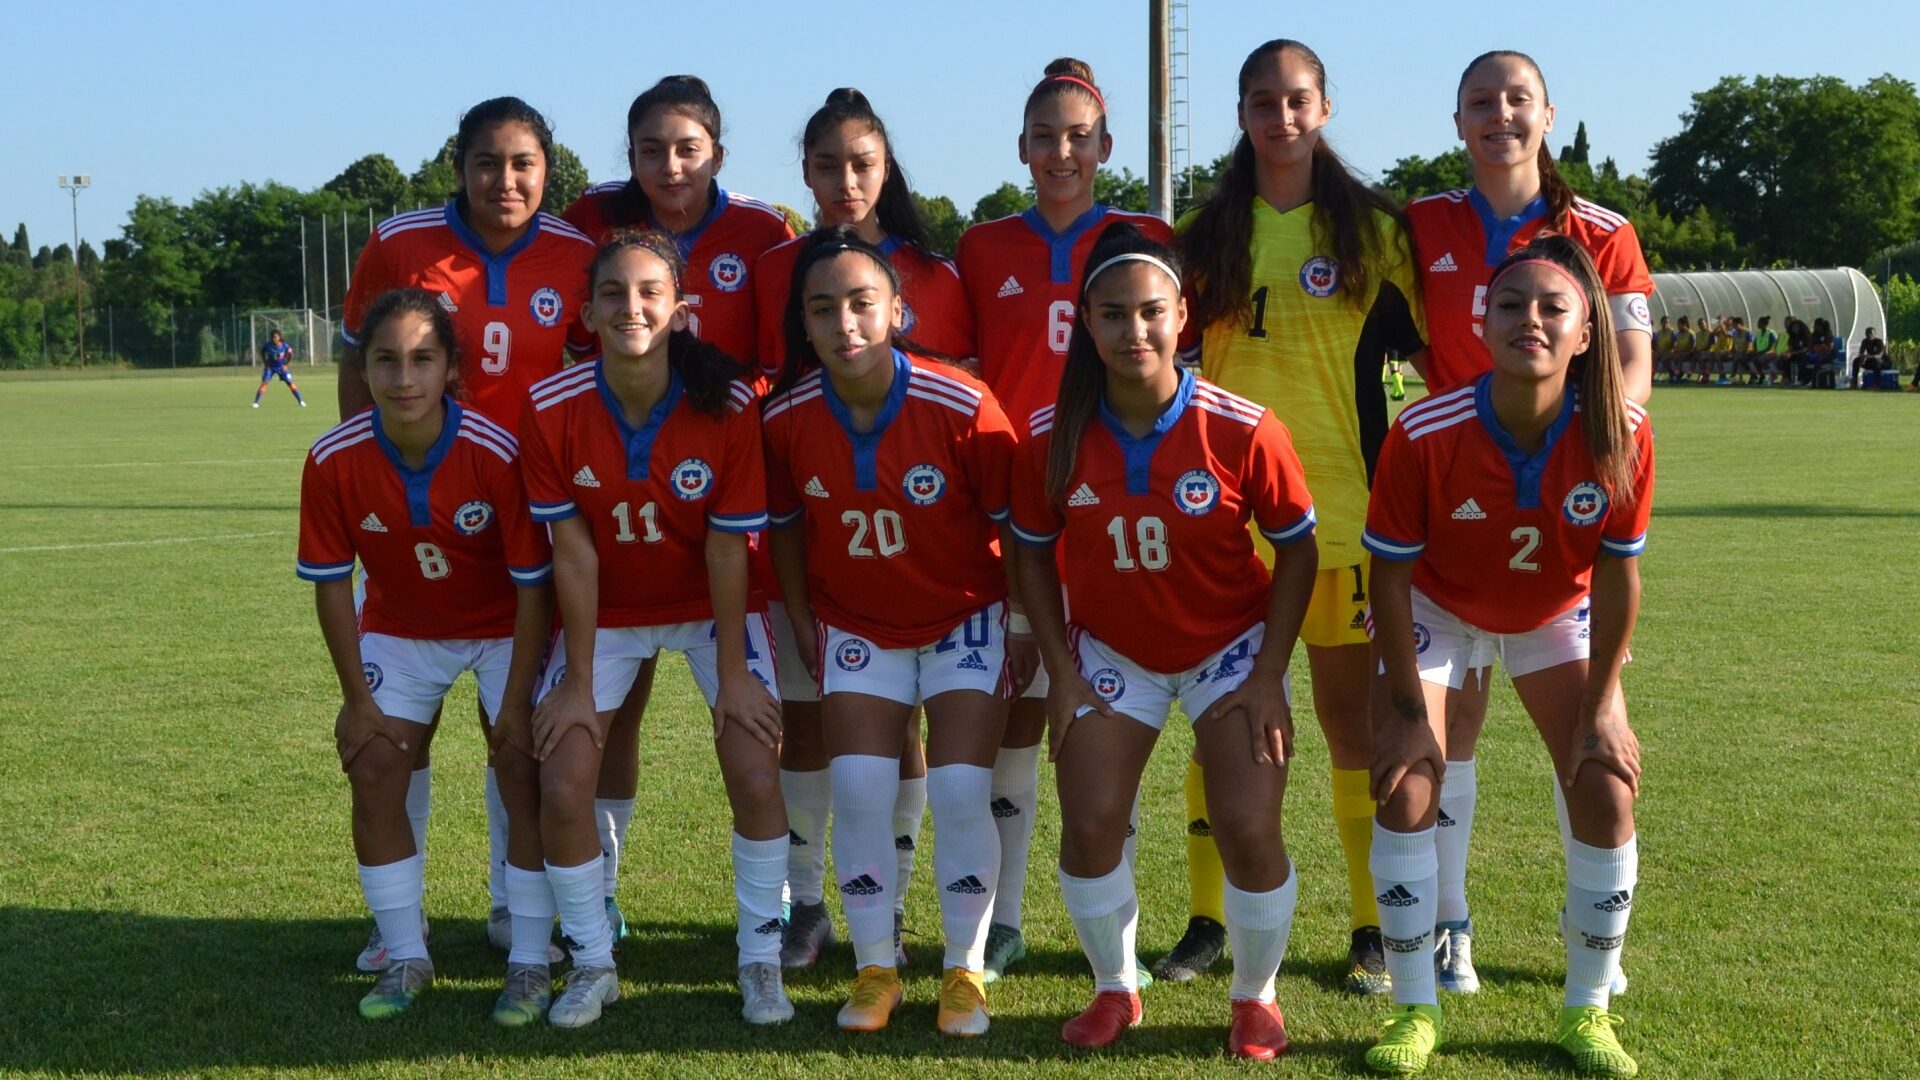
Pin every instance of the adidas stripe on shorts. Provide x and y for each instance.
(619, 652)
(409, 677)
(971, 656)
(1447, 646)
(1148, 696)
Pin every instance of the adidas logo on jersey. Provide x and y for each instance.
(1083, 496)
(1003, 807)
(864, 885)
(585, 477)
(972, 662)
(1469, 511)
(969, 885)
(1443, 265)
(1398, 896)
(815, 488)
(446, 301)
(371, 523)
(1010, 287)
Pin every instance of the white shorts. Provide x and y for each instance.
(409, 677)
(1147, 696)
(796, 682)
(618, 654)
(972, 656)
(1446, 646)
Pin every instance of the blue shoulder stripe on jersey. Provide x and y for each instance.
(1293, 532)
(1033, 539)
(1060, 245)
(639, 441)
(536, 575)
(1139, 452)
(1527, 468)
(866, 446)
(324, 571)
(418, 482)
(497, 263)
(559, 511)
(1624, 549)
(738, 523)
(1501, 231)
(1391, 550)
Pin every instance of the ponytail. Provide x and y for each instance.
(684, 94)
(897, 210)
(704, 370)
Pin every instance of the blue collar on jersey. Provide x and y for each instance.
(717, 205)
(888, 245)
(419, 513)
(866, 447)
(1139, 452)
(1526, 469)
(496, 264)
(639, 441)
(1500, 233)
(1060, 245)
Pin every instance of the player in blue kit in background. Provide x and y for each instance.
(275, 355)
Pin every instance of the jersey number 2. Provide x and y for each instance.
(1528, 538)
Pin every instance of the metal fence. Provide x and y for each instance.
(159, 336)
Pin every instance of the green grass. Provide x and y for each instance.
(177, 894)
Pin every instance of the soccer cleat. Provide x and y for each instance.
(1112, 1012)
(373, 958)
(500, 936)
(1142, 978)
(1258, 1032)
(808, 933)
(963, 1004)
(1199, 949)
(763, 1000)
(1586, 1033)
(899, 941)
(1407, 1045)
(1453, 958)
(1367, 963)
(1619, 986)
(588, 990)
(1005, 947)
(397, 989)
(876, 991)
(256, 404)
(616, 922)
(525, 997)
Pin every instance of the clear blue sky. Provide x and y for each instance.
(173, 99)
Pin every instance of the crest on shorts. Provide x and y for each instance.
(373, 674)
(1320, 276)
(1196, 491)
(547, 306)
(728, 271)
(1422, 638)
(692, 478)
(924, 484)
(1108, 683)
(853, 654)
(473, 517)
(1585, 503)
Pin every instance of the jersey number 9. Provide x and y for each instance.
(497, 344)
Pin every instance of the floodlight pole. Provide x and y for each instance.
(1159, 108)
(74, 185)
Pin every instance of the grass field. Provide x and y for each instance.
(177, 892)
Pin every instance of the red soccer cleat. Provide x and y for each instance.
(1112, 1012)
(1259, 1031)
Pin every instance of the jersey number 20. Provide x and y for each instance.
(884, 530)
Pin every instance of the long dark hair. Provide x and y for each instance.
(1603, 389)
(413, 301)
(488, 115)
(687, 95)
(899, 214)
(1218, 242)
(817, 247)
(1553, 186)
(1083, 378)
(705, 371)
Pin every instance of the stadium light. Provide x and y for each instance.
(74, 185)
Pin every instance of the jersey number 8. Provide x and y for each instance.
(433, 561)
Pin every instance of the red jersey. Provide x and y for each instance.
(443, 546)
(648, 494)
(1024, 282)
(1457, 243)
(1506, 541)
(1158, 525)
(929, 482)
(937, 314)
(719, 252)
(512, 312)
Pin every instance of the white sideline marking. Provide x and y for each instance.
(144, 543)
(150, 464)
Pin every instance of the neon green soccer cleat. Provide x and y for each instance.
(1407, 1045)
(1586, 1033)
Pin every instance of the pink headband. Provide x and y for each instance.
(1579, 290)
(1077, 81)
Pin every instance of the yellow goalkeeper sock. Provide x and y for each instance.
(1206, 878)
(1353, 810)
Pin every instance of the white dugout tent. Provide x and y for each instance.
(1843, 296)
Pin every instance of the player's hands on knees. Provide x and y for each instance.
(1262, 701)
(570, 705)
(1068, 699)
(744, 702)
(1023, 663)
(1603, 737)
(359, 723)
(1401, 744)
(513, 727)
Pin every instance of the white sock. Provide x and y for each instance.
(610, 819)
(1406, 878)
(966, 858)
(530, 902)
(865, 789)
(759, 877)
(1106, 913)
(1458, 793)
(1600, 885)
(1257, 929)
(1016, 793)
(809, 799)
(393, 893)
(420, 807)
(496, 840)
(583, 912)
(909, 809)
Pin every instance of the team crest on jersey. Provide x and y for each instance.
(1108, 683)
(547, 306)
(924, 484)
(853, 655)
(728, 271)
(1585, 503)
(374, 676)
(1196, 492)
(1320, 276)
(907, 319)
(692, 478)
(473, 517)
(1422, 638)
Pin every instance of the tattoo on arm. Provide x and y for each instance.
(1411, 709)
(1592, 742)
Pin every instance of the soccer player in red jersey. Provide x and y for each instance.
(1508, 516)
(887, 473)
(427, 496)
(647, 465)
(1022, 274)
(1150, 476)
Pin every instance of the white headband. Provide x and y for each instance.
(1131, 256)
